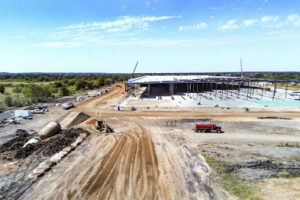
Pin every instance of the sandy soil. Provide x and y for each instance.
(149, 158)
(124, 165)
(280, 189)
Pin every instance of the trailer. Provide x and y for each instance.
(25, 114)
(208, 128)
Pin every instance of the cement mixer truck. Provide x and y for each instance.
(208, 128)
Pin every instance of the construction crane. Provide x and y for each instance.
(241, 63)
(132, 76)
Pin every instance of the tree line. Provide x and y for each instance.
(28, 89)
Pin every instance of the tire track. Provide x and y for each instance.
(96, 184)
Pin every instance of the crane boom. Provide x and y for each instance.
(132, 76)
(241, 63)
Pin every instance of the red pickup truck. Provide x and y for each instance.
(208, 128)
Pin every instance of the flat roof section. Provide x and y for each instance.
(195, 78)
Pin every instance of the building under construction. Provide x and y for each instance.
(151, 86)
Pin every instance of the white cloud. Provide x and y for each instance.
(103, 42)
(121, 24)
(231, 24)
(269, 18)
(250, 22)
(58, 44)
(114, 32)
(10, 37)
(201, 25)
(294, 19)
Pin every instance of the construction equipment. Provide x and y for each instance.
(241, 63)
(133, 108)
(132, 76)
(103, 126)
(208, 128)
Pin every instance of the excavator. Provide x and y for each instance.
(103, 126)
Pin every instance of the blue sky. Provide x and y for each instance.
(165, 36)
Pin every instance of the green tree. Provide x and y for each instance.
(63, 91)
(108, 81)
(58, 84)
(99, 82)
(36, 92)
(2, 89)
(80, 84)
(90, 85)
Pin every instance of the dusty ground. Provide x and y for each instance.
(154, 154)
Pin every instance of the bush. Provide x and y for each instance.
(36, 92)
(285, 174)
(8, 101)
(2, 89)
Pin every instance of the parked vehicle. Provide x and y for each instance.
(27, 117)
(23, 113)
(209, 128)
(80, 98)
(37, 111)
(68, 105)
(92, 95)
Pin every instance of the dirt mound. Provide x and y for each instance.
(13, 184)
(273, 117)
(14, 144)
(73, 119)
(91, 121)
(27, 151)
(57, 144)
(50, 146)
(273, 166)
(196, 120)
(14, 149)
(21, 132)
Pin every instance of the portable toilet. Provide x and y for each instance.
(119, 108)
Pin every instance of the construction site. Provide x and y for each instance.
(211, 91)
(144, 139)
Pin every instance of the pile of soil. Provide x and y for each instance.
(196, 120)
(13, 149)
(62, 140)
(73, 119)
(52, 145)
(272, 117)
(249, 166)
(81, 117)
(15, 183)
(91, 121)
(7, 150)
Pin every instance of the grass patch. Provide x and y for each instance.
(233, 183)
(285, 174)
(297, 157)
(294, 145)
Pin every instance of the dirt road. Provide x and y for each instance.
(124, 165)
(137, 161)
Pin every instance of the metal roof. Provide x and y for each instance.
(198, 78)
